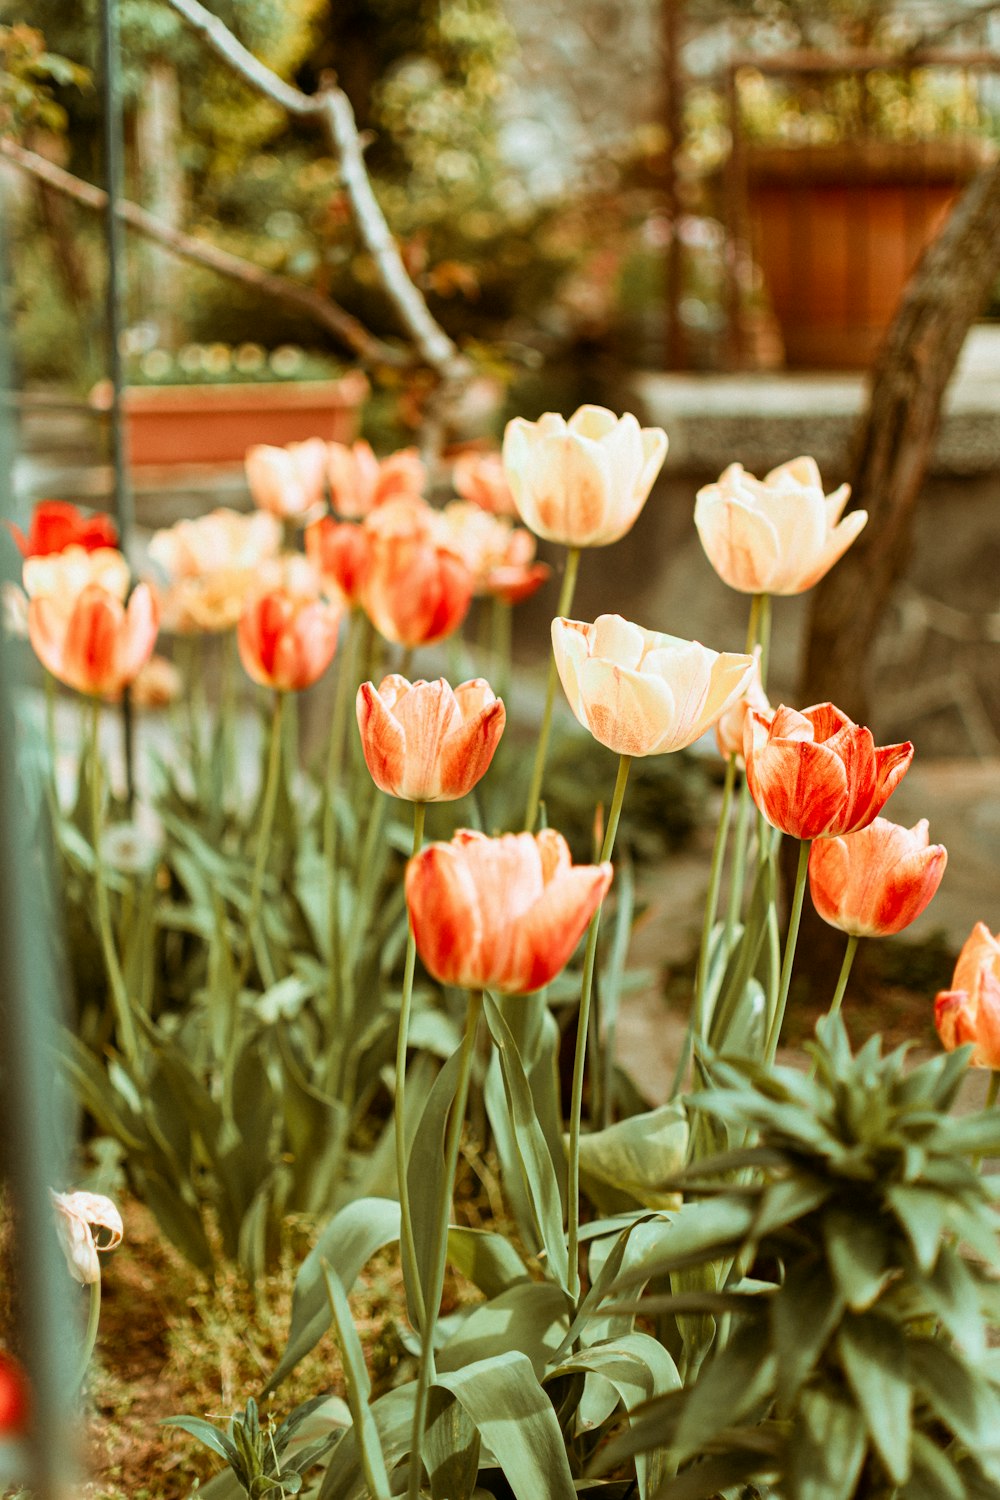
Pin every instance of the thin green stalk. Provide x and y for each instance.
(698, 1016)
(801, 874)
(991, 1098)
(406, 663)
(763, 635)
(586, 988)
(501, 620)
(439, 1249)
(399, 1105)
(228, 737)
(541, 749)
(334, 766)
(845, 971)
(90, 1337)
(271, 782)
(195, 697)
(119, 991)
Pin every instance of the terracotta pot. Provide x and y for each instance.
(838, 230)
(204, 424)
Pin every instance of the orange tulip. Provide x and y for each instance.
(641, 692)
(970, 1010)
(480, 478)
(77, 1214)
(776, 535)
(286, 641)
(289, 482)
(213, 566)
(582, 482)
(816, 774)
(877, 881)
(99, 644)
(416, 590)
(424, 741)
(56, 524)
(340, 551)
(501, 913)
(729, 727)
(359, 482)
(499, 554)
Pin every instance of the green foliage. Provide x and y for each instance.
(850, 1349)
(28, 75)
(268, 1462)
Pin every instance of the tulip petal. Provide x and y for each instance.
(798, 517)
(446, 915)
(626, 711)
(555, 925)
(836, 545)
(382, 738)
(617, 640)
(741, 543)
(979, 947)
(570, 646)
(856, 747)
(987, 1053)
(466, 753)
(799, 786)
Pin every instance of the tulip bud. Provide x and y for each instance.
(877, 881)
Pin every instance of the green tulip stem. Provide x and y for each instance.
(272, 778)
(801, 875)
(579, 1057)
(699, 1018)
(501, 620)
(439, 1248)
(845, 972)
(90, 1337)
(334, 766)
(763, 633)
(993, 1090)
(399, 1106)
(542, 747)
(119, 991)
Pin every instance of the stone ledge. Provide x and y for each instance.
(761, 420)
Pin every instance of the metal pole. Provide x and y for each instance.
(33, 1114)
(115, 248)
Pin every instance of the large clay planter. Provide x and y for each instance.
(192, 424)
(837, 231)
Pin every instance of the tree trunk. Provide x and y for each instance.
(894, 440)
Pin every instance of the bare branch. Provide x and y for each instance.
(242, 60)
(322, 310)
(332, 109)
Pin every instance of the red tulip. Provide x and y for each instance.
(816, 774)
(970, 1010)
(501, 913)
(416, 590)
(426, 742)
(97, 645)
(877, 881)
(15, 1398)
(286, 641)
(340, 551)
(56, 524)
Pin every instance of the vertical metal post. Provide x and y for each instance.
(115, 250)
(33, 1114)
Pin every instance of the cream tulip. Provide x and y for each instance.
(776, 535)
(581, 482)
(640, 692)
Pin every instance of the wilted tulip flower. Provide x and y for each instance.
(425, 741)
(501, 556)
(877, 881)
(970, 1010)
(56, 524)
(289, 482)
(776, 535)
(729, 728)
(581, 482)
(213, 566)
(640, 692)
(340, 551)
(816, 774)
(62, 576)
(480, 478)
(77, 1216)
(99, 644)
(416, 591)
(286, 642)
(360, 482)
(501, 913)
